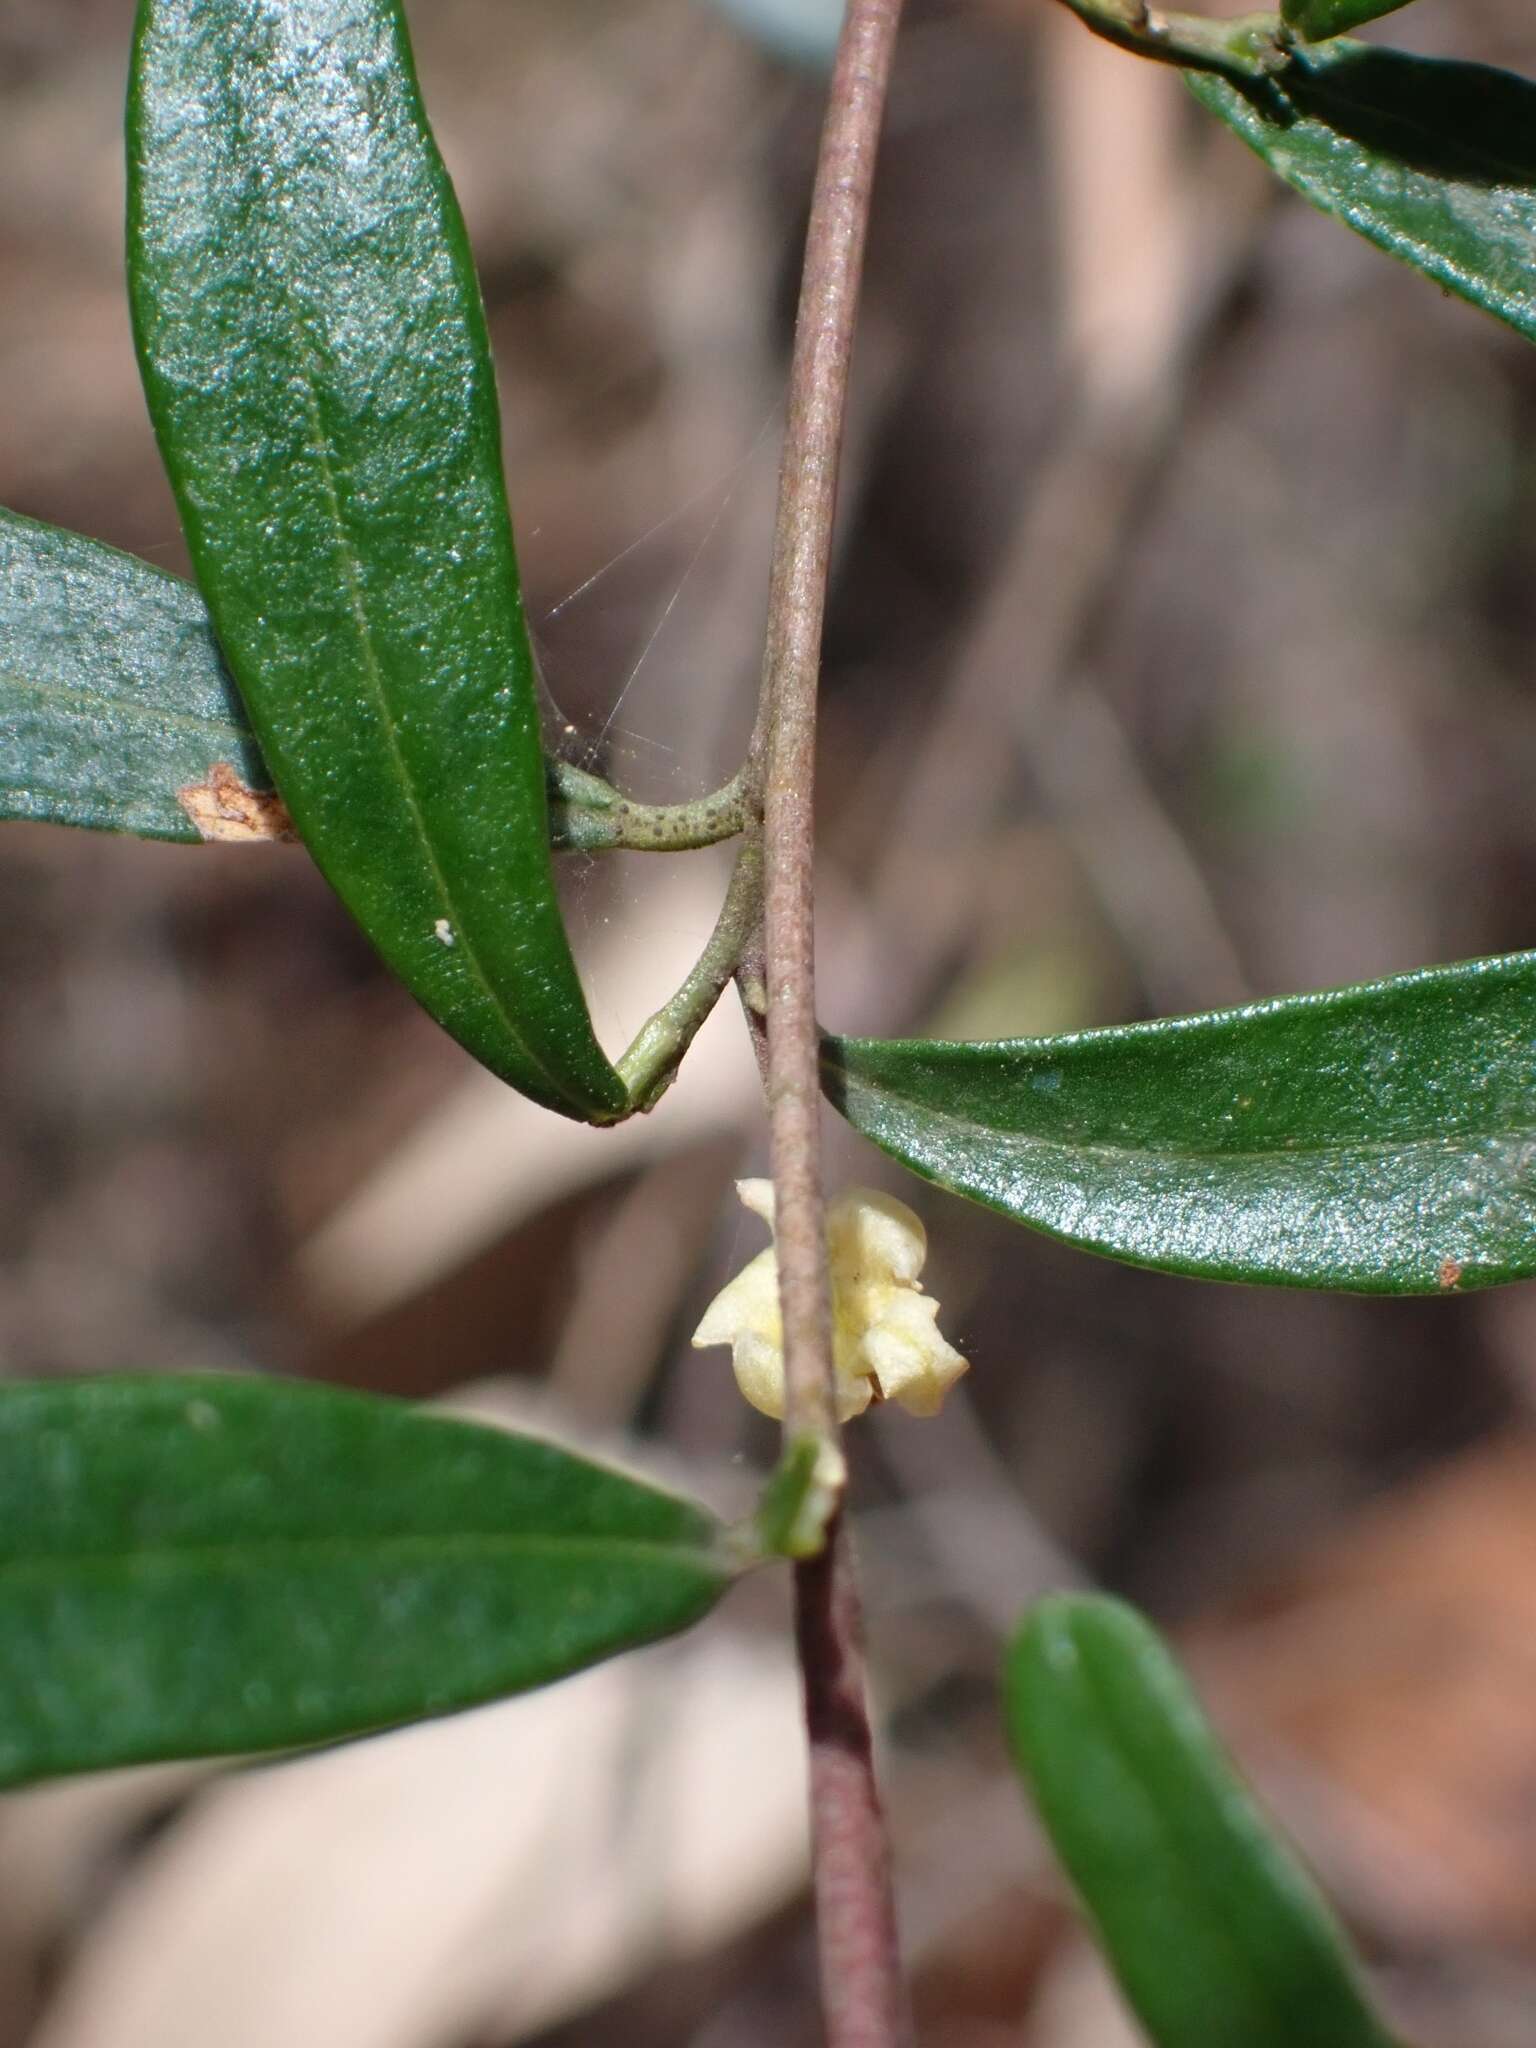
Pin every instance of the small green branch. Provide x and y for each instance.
(1247, 46)
(652, 1060)
(588, 815)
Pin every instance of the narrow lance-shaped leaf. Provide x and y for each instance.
(1319, 19)
(118, 713)
(1380, 1139)
(317, 366)
(1434, 162)
(116, 709)
(202, 1566)
(1214, 1931)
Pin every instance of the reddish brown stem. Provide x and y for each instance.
(855, 1914)
(860, 1966)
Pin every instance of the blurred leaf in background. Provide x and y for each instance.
(1212, 1928)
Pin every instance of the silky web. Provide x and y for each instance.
(647, 672)
(669, 561)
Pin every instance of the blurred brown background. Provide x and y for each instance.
(1179, 650)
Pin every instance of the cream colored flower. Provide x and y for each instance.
(885, 1339)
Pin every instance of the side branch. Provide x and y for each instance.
(647, 1069)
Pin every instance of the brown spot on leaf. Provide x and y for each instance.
(1448, 1272)
(224, 808)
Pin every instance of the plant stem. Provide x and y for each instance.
(588, 815)
(1248, 46)
(651, 1061)
(856, 1922)
(855, 1915)
(791, 663)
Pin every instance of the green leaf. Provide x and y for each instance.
(1380, 1139)
(113, 696)
(317, 367)
(206, 1566)
(1433, 162)
(117, 712)
(1317, 20)
(1212, 1928)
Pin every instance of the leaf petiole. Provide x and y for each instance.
(1246, 46)
(651, 1061)
(588, 815)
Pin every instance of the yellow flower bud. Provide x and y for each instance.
(885, 1339)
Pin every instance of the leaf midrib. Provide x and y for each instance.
(1100, 1149)
(137, 710)
(345, 554)
(258, 1554)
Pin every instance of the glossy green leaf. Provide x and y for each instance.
(1432, 161)
(1212, 1928)
(202, 1566)
(317, 367)
(117, 712)
(113, 696)
(1380, 1139)
(1317, 20)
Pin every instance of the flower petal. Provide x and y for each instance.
(872, 1238)
(909, 1358)
(759, 1364)
(884, 1328)
(749, 1302)
(852, 1396)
